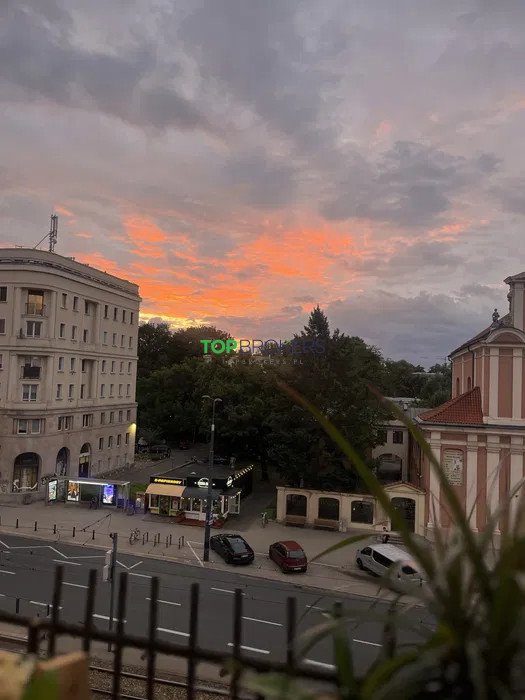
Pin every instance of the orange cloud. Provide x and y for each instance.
(63, 211)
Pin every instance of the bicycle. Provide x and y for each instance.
(134, 536)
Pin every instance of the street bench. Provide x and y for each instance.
(325, 523)
(295, 520)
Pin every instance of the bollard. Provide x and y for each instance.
(170, 537)
(17, 523)
(147, 536)
(36, 525)
(48, 610)
(154, 540)
(167, 541)
(74, 530)
(54, 529)
(17, 606)
(143, 538)
(93, 536)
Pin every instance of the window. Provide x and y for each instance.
(114, 340)
(110, 441)
(128, 389)
(130, 343)
(3, 294)
(82, 391)
(381, 559)
(119, 440)
(65, 422)
(103, 370)
(29, 392)
(126, 439)
(84, 366)
(101, 443)
(86, 307)
(62, 331)
(103, 418)
(2, 326)
(35, 302)
(122, 367)
(111, 416)
(397, 437)
(87, 420)
(362, 512)
(115, 313)
(131, 317)
(122, 338)
(128, 414)
(72, 364)
(60, 364)
(33, 329)
(75, 303)
(64, 301)
(1, 361)
(105, 338)
(71, 391)
(102, 391)
(111, 389)
(129, 367)
(59, 391)
(73, 333)
(120, 388)
(113, 367)
(120, 415)
(85, 335)
(106, 309)
(28, 426)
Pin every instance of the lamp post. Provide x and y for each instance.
(209, 499)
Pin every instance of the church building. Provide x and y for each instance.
(478, 435)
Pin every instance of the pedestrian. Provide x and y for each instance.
(385, 536)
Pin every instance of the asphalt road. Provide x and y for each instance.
(27, 569)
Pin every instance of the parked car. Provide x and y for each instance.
(160, 451)
(289, 556)
(379, 558)
(232, 548)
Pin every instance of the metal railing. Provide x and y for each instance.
(54, 628)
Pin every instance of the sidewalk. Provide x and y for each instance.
(84, 527)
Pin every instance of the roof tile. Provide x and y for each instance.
(463, 409)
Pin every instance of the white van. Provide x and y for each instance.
(378, 558)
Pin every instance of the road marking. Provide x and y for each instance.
(44, 605)
(4, 571)
(75, 585)
(105, 617)
(167, 602)
(258, 651)
(266, 622)
(180, 634)
(71, 563)
(321, 664)
(222, 590)
(314, 607)
(362, 641)
(141, 575)
(129, 567)
(195, 554)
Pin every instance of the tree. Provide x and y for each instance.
(156, 348)
(188, 339)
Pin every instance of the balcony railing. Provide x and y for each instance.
(30, 372)
(35, 309)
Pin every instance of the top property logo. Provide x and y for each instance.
(297, 346)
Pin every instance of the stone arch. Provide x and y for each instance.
(296, 504)
(328, 508)
(407, 508)
(26, 469)
(84, 461)
(62, 462)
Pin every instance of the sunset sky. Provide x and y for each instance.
(244, 160)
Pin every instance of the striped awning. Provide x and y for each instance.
(165, 490)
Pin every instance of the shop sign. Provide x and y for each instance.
(202, 483)
(172, 482)
(52, 490)
(229, 481)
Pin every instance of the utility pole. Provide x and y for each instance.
(209, 498)
(111, 574)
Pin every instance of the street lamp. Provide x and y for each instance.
(207, 524)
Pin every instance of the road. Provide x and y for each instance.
(27, 568)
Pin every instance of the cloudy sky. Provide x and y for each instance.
(243, 160)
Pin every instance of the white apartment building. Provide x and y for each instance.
(68, 367)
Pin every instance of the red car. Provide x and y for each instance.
(288, 555)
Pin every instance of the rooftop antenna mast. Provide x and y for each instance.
(52, 235)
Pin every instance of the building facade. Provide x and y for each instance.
(68, 367)
(479, 435)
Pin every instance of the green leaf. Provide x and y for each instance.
(42, 686)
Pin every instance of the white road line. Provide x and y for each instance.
(105, 617)
(131, 573)
(167, 631)
(266, 622)
(75, 585)
(195, 554)
(167, 602)
(314, 607)
(129, 567)
(3, 571)
(258, 651)
(222, 590)
(71, 563)
(362, 641)
(44, 605)
(313, 662)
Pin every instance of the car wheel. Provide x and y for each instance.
(228, 559)
(359, 564)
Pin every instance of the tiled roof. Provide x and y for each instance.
(504, 321)
(464, 409)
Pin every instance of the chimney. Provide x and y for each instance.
(516, 300)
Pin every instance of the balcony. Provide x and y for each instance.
(35, 309)
(30, 372)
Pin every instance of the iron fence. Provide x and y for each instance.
(49, 629)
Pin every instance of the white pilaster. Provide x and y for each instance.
(517, 382)
(494, 378)
(493, 481)
(516, 475)
(434, 494)
(472, 485)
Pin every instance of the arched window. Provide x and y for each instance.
(296, 504)
(62, 463)
(362, 512)
(25, 472)
(328, 508)
(84, 460)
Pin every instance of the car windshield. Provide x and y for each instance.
(296, 554)
(237, 545)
